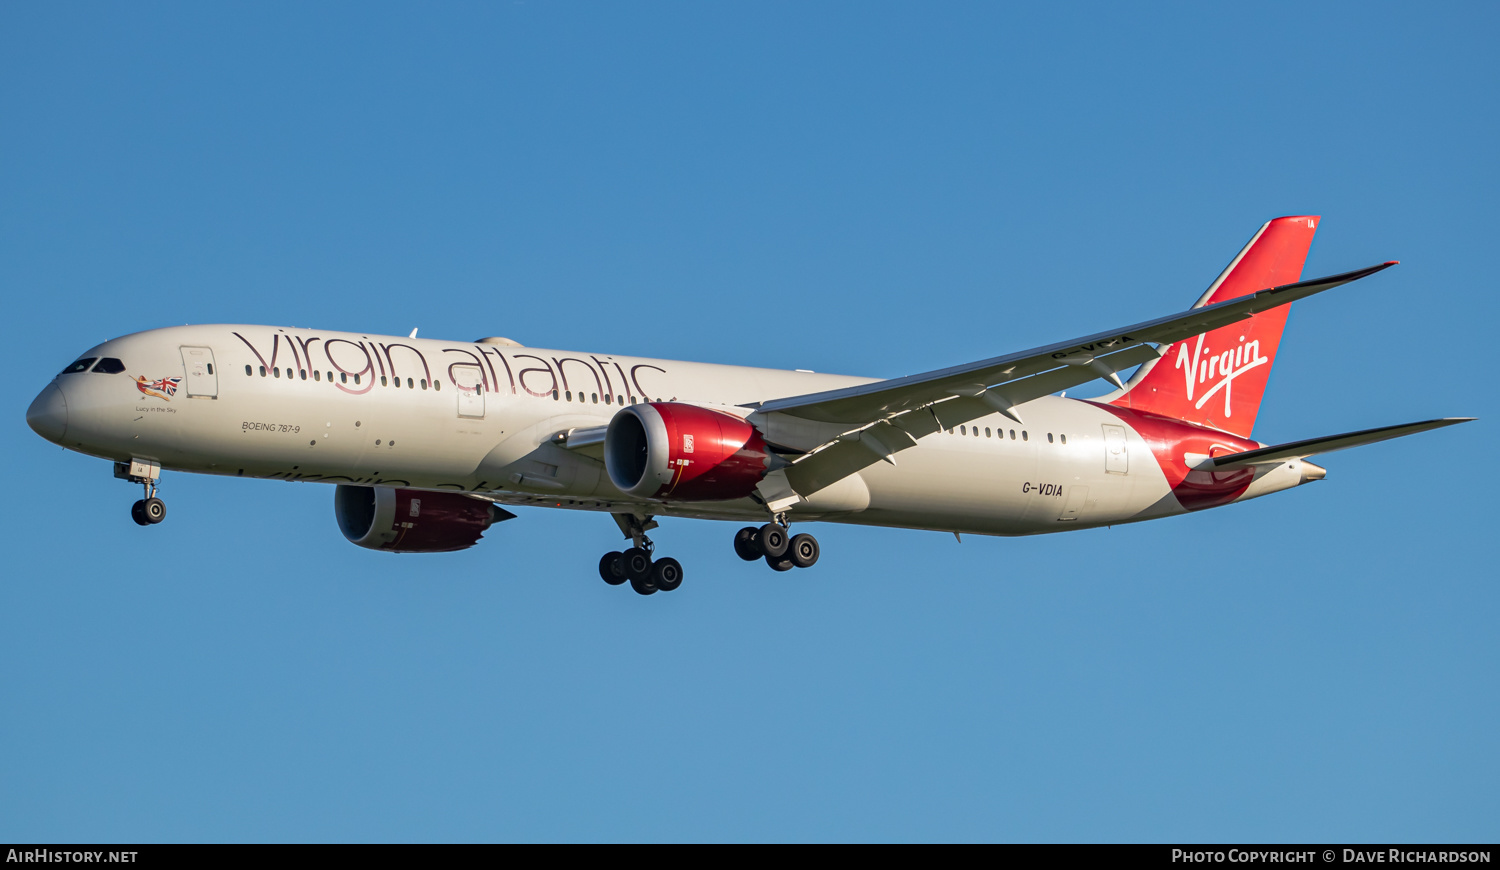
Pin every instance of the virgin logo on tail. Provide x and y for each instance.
(1273, 257)
(1203, 365)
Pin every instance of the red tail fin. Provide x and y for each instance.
(1217, 379)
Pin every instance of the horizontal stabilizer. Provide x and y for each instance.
(1315, 446)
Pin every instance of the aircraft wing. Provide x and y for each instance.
(1315, 446)
(880, 425)
(1002, 382)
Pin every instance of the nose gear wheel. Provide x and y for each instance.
(147, 511)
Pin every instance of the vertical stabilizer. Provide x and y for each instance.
(1217, 379)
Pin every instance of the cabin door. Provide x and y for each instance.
(202, 378)
(1116, 460)
(470, 383)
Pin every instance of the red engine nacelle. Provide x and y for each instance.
(670, 450)
(411, 520)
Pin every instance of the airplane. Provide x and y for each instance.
(428, 442)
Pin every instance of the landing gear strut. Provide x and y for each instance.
(636, 565)
(770, 542)
(149, 510)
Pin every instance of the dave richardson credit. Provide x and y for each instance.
(1330, 856)
(62, 856)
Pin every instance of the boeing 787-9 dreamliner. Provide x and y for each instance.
(428, 441)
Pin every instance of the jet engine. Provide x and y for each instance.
(412, 520)
(671, 450)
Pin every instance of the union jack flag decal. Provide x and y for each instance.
(165, 388)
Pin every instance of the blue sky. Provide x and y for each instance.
(874, 189)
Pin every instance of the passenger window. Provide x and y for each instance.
(302, 373)
(424, 383)
(963, 430)
(986, 431)
(568, 396)
(356, 380)
(596, 397)
(276, 371)
(247, 371)
(262, 371)
(608, 399)
(437, 385)
(1012, 434)
(109, 366)
(330, 377)
(554, 395)
(80, 366)
(343, 377)
(1049, 437)
(317, 375)
(409, 384)
(383, 382)
(1064, 438)
(1025, 436)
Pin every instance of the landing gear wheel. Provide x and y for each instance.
(643, 586)
(612, 568)
(804, 551)
(782, 563)
(138, 513)
(745, 546)
(637, 566)
(154, 510)
(772, 541)
(666, 574)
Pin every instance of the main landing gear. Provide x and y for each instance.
(636, 565)
(150, 510)
(770, 542)
(648, 575)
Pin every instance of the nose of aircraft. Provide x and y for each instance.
(48, 414)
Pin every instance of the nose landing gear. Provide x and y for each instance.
(150, 510)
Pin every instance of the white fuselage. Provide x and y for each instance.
(309, 405)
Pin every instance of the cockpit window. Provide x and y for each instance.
(80, 366)
(109, 366)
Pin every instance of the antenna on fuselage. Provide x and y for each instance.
(413, 333)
